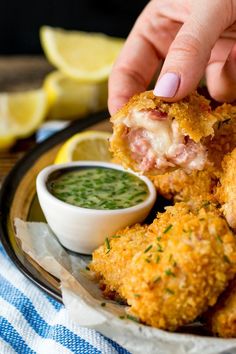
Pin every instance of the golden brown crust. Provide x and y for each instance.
(112, 265)
(185, 269)
(226, 192)
(193, 114)
(221, 319)
(182, 186)
(172, 270)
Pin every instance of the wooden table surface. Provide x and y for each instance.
(19, 74)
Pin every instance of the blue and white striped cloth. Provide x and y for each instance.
(32, 322)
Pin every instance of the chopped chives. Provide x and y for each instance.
(167, 229)
(169, 272)
(133, 318)
(98, 188)
(157, 279)
(148, 249)
(108, 246)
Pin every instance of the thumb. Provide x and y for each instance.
(190, 51)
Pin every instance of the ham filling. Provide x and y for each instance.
(156, 143)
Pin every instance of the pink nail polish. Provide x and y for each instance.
(167, 85)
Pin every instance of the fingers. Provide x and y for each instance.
(133, 71)
(221, 72)
(140, 57)
(190, 51)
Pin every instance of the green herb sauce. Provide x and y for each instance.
(98, 188)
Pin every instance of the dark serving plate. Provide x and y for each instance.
(18, 199)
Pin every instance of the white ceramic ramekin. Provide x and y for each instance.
(83, 230)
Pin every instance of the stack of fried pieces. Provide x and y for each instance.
(183, 265)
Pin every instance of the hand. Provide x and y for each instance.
(194, 37)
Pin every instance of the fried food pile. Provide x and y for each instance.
(182, 265)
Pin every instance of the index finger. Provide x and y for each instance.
(134, 68)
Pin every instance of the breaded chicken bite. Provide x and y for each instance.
(111, 260)
(184, 270)
(155, 137)
(226, 193)
(184, 185)
(221, 319)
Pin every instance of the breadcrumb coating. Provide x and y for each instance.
(226, 192)
(111, 265)
(181, 185)
(221, 319)
(171, 271)
(193, 115)
(184, 270)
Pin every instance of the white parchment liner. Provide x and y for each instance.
(82, 299)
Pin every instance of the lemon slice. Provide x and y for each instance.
(20, 115)
(69, 98)
(89, 145)
(81, 55)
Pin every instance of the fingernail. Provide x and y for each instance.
(167, 85)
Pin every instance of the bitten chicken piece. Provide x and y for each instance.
(226, 193)
(155, 137)
(184, 185)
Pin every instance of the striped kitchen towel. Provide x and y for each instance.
(33, 322)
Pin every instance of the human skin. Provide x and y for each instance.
(193, 38)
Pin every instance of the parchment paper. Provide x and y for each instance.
(83, 301)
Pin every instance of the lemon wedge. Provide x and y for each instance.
(69, 98)
(80, 55)
(89, 145)
(20, 115)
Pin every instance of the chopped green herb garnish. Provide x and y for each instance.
(87, 268)
(226, 259)
(116, 236)
(107, 245)
(170, 257)
(122, 317)
(148, 249)
(167, 229)
(103, 304)
(205, 204)
(159, 248)
(158, 238)
(133, 318)
(219, 238)
(169, 272)
(137, 295)
(158, 259)
(147, 260)
(157, 279)
(98, 188)
(169, 291)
